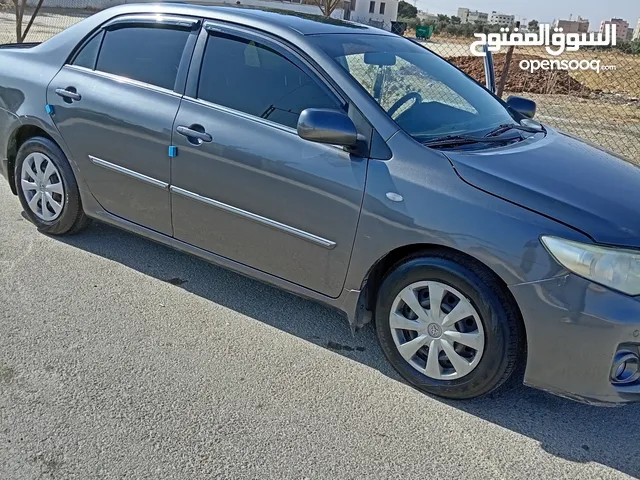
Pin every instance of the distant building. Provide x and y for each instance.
(636, 34)
(630, 35)
(427, 17)
(623, 27)
(581, 25)
(378, 13)
(472, 16)
(501, 19)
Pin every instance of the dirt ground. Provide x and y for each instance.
(613, 127)
(541, 81)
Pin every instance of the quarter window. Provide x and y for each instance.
(253, 78)
(89, 54)
(145, 53)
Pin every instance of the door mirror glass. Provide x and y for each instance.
(523, 106)
(327, 126)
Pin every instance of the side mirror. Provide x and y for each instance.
(327, 126)
(523, 106)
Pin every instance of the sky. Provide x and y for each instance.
(545, 11)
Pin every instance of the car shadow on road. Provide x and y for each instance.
(563, 428)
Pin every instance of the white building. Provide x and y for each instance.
(497, 18)
(472, 16)
(379, 13)
(636, 34)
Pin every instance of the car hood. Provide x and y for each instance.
(562, 177)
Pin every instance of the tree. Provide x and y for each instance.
(21, 34)
(443, 18)
(456, 20)
(326, 6)
(453, 29)
(406, 10)
(533, 25)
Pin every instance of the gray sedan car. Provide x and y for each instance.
(347, 165)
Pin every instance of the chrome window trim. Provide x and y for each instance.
(130, 173)
(128, 81)
(310, 237)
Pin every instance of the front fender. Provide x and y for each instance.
(438, 208)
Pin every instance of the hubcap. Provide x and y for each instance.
(437, 330)
(42, 186)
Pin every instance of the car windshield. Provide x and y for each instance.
(424, 94)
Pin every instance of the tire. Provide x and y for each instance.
(70, 218)
(499, 332)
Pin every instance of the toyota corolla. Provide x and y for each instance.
(347, 165)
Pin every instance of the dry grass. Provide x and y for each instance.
(614, 128)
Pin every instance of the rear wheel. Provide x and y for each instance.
(447, 326)
(48, 189)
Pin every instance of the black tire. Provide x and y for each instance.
(504, 335)
(72, 219)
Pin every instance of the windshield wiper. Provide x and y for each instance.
(514, 126)
(454, 140)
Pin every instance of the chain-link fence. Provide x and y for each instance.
(601, 106)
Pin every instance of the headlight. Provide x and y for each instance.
(613, 267)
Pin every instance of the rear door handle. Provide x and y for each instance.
(70, 94)
(194, 131)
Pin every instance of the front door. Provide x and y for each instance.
(244, 184)
(114, 105)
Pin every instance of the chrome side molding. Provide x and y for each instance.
(310, 237)
(131, 173)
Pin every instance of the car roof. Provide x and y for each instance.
(301, 23)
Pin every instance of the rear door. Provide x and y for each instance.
(114, 105)
(244, 184)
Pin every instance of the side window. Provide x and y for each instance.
(89, 53)
(255, 79)
(149, 54)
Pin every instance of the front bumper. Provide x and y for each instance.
(574, 328)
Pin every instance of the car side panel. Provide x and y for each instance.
(23, 97)
(438, 208)
(119, 125)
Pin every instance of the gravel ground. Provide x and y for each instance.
(122, 358)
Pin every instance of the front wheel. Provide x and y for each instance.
(447, 327)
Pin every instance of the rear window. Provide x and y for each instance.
(146, 54)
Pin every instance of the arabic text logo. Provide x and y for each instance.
(570, 42)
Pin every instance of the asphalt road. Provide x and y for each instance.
(122, 358)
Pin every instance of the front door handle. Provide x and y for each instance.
(68, 94)
(194, 132)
